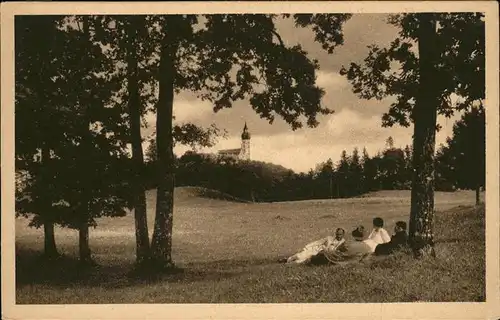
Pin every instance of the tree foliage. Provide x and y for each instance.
(463, 159)
(394, 71)
(67, 139)
(191, 135)
(278, 80)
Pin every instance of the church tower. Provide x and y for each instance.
(245, 144)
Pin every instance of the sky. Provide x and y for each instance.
(355, 122)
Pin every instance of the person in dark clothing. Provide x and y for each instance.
(398, 241)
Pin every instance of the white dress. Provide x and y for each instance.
(313, 248)
(377, 237)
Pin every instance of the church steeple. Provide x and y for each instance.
(245, 135)
(245, 144)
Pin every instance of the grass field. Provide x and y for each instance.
(229, 249)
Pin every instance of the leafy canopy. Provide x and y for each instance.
(394, 71)
(233, 57)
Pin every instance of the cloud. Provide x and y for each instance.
(303, 149)
(187, 108)
(350, 121)
(330, 79)
(359, 32)
(191, 110)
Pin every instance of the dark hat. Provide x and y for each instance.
(358, 233)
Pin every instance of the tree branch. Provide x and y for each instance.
(279, 37)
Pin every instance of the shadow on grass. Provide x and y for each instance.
(233, 263)
(458, 274)
(33, 268)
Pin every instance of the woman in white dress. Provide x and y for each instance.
(378, 235)
(313, 248)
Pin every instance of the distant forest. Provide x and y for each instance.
(460, 164)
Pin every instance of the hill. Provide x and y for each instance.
(405, 195)
(191, 195)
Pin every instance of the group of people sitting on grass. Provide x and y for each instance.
(337, 250)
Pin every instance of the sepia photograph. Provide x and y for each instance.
(253, 157)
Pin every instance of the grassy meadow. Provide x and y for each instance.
(229, 250)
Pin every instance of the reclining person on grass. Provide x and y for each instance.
(398, 241)
(355, 250)
(313, 248)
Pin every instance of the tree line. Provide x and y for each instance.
(460, 164)
(83, 85)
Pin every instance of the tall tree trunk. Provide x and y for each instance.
(87, 149)
(478, 194)
(44, 202)
(143, 252)
(162, 236)
(331, 186)
(50, 249)
(424, 138)
(83, 244)
(85, 214)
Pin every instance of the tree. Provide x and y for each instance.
(449, 59)
(74, 135)
(343, 172)
(34, 43)
(90, 177)
(356, 173)
(389, 143)
(85, 100)
(424, 137)
(278, 80)
(408, 171)
(466, 151)
(91, 171)
(135, 39)
(134, 46)
(392, 166)
(369, 172)
(445, 170)
(325, 175)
